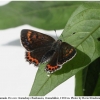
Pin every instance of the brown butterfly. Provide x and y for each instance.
(41, 48)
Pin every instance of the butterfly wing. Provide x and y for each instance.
(36, 55)
(32, 40)
(66, 53)
(52, 65)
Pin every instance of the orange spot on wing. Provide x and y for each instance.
(52, 67)
(28, 36)
(34, 37)
(69, 52)
(32, 59)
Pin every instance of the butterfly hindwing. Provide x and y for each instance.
(32, 40)
(52, 66)
(36, 55)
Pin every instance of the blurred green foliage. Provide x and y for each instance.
(47, 15)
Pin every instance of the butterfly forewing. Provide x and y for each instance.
(66, 53)
(32, 40)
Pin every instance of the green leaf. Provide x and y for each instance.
(45, 14)
(86, 80)
(78, 84)
(85, 24)
(97, 89)
(90, 77)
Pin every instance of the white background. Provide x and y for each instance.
(16, 75)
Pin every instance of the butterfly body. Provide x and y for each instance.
(41, 48)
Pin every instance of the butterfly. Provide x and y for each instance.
(41, 48)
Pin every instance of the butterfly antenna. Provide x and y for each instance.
(56, 34)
